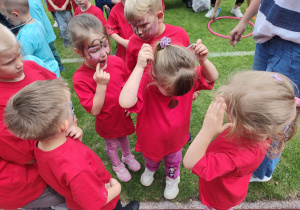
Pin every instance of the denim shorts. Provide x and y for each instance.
(279, 55)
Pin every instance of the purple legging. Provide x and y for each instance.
(172, 164)
(112, 149)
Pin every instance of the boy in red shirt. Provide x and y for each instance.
(85, 6)
(16, 155)
(146, 18)
(66, 164)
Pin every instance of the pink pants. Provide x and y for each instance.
(172, 164)
(112, 149)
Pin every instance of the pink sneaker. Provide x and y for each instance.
(131, 162)
(122, 173)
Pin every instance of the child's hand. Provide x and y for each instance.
(113, 182)
(236, 34)
(75, 132)
(195, 95)
(127, 113)
(200, 50)
(105, 6)
(213, 122)
(101, 77)
(145, 54)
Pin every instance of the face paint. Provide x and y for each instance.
(98, 51)
(145, 28)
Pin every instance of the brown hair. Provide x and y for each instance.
(174, 69)
(21, 6)
(81, 26)
(7, 39)
(135, 9)
(38, 110)
(259, 104)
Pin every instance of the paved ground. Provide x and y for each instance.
(167, 205)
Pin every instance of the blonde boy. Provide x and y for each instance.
(146, 18)
(44, 113)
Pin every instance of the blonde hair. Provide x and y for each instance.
(174, 69)
(7, 39)
(259, 104)
(20, 6)
(38, 110)
(135, 9)
(80, 28)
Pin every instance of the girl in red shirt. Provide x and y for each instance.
(162, 98)
(258, 105)
(98, 83)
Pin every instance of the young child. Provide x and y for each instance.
(258, 106)
(37, 12)
(162, 100)
(62, 10)
(16, 155)
(85, 6)
(44, 113)
(32, 35)
(98, 85)
(146, 18)
(119, 29)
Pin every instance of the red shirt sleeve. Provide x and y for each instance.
(201, 83)
(84, 93)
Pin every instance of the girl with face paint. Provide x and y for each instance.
(98, 83)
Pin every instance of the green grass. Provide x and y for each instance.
(285, 182)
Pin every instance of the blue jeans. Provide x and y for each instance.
(279, 55)
(282, 56)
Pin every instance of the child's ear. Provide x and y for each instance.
(16, 13)
(64, 126)
(79, 52)
(160, 16)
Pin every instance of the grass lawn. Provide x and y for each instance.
(285, 182)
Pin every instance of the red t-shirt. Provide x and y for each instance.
(77, 173)
(58, 3)
(160, 130)
(20, 183)
(111, 122)
(177, 34)
(225, 170)
(93, 10)
(117, 24)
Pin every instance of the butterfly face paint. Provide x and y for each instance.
(145, 28)
(98, 51)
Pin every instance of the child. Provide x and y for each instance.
(271, 36)
(163, 103)
(37, 12)
(85, 6)
(258, 106)
(32, 35)
(146, 18)
(16, 155)
(98, 85)
(43, 111)
(119, 29)
(63, 14)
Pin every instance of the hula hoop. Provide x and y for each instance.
(227, 17)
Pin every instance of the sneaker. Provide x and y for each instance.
(256, 179)
(122, 173)
(62, 68)
(131, 162)
(209, 13)
(237, 12)
(133, 205)
(171, 190)
(190, 139)
(66, 42)
(147, 177)
(55, 25)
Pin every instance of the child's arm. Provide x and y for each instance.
(53, 5)
(128, 96)
(64, 7)
(74, 131)
(212, 126)
(101, 78)
(120, 40)
(113, 189)
(236, 33)
(209, 70)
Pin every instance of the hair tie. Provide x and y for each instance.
(277, 77)
(165, 41)
(297, 101)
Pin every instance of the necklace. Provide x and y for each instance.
(173, 103)
(21, 25)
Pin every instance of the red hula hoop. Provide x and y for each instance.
(227, 17)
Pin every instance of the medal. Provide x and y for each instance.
(173, 103)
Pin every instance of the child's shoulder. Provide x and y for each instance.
(36, 71)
